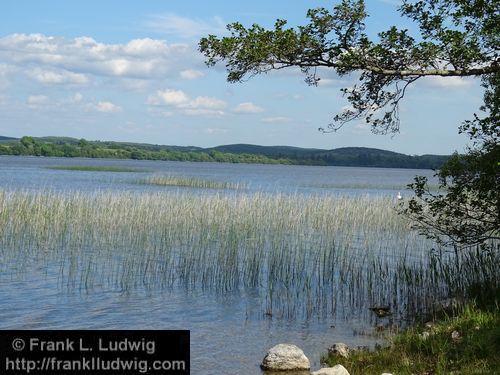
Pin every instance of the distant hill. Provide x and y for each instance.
(274, 151)
(7, 139)
(234, 153)
(345, 156)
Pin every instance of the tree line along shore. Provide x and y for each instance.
(236, 153)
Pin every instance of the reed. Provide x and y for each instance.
(305, 255)
(182, 181)
(95, 168)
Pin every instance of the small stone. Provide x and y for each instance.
(339, 349)
(335, 370)
(285, 357)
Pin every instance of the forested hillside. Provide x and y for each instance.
(237, 153)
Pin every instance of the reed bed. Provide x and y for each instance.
(182, 181)
(305, 255)
(95, 168)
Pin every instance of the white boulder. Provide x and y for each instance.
(339, 349)
(335, 370)
(285, 357)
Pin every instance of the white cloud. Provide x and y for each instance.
(329, 82)
(447, 82)
(36, 100)
(62, 60)
(190, 74)
(275, 120)
(201, 105)
(72, 102)
(185, 27)
(206, 102)
(168, 97)
(248, 107)
(57, 76)
(142, 47)
(105, 107)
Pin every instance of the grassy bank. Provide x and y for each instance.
(465, 343)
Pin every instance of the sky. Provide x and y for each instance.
(131, 71)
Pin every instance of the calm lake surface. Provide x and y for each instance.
(229, 331)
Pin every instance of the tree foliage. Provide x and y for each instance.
(457, 38)
(468, 212)
(357, 157)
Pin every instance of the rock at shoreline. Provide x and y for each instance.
(285, 357)
(335, 370)
(339, 349)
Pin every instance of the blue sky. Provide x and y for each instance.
(130, 71)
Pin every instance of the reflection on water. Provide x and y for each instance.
(229, 330)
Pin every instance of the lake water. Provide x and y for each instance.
(32, 173)
(229, 332)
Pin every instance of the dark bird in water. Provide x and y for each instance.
(381, 311)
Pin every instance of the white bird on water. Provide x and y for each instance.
(399, 196)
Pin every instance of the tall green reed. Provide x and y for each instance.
(305, 255)
(193, 182)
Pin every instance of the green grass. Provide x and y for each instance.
(181, 181)
(475, 351)
(94, 168)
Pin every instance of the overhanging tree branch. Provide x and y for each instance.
(451, 45)
(457, 38)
